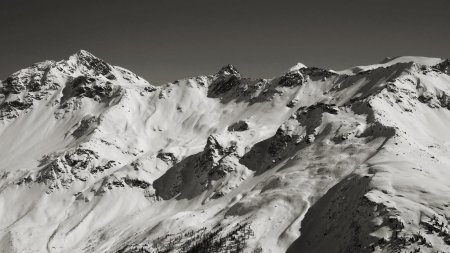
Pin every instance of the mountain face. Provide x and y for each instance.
(93, 158)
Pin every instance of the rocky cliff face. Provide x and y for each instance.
(95, 159)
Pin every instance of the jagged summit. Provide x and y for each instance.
(95, 159)
(83, 53)
(92, 64)
(228, 70)
(82, 56)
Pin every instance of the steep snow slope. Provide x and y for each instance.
(96, 159)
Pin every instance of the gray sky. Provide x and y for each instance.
(166, 40)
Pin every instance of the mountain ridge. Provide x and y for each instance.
(96, 159)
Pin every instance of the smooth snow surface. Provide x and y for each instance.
(389, 61)
(95, 159)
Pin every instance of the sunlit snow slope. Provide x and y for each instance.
(95, 159)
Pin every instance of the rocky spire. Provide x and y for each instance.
(229, 70)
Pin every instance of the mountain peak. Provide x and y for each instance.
(91, 62)
(229, 70)
(84, 53)
(297, 67)
(82, 56)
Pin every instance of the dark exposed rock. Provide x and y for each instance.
(108, 183)
(281, 140)
(227, 79)
(97, 65)
(291, 79)
(214, 149)
(55, 175)
(88, 87)
(267, 94)
(133, 182)
(11, 109)
(16, 104)
(310, 117)
(215, 160)
(435, 100)
(19, 90)
(292, 103)
(150, 88)
(75, 164)
(25, 180)
(229, 70)
(443, 67)
(425, 98)
(117, 183)
(12, 86)
(102, 168)
(219, 158)
(329, 108)
(223, 84)
(80, 157)
(167, 157)
(314, 72)
(298, 77)
(84, 126)
(214, 239)
(444, 100)
(239, 126)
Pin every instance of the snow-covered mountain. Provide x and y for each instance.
(93, 158)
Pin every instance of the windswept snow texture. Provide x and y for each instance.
(95, 159)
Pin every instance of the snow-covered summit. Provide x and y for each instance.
(297, 67)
